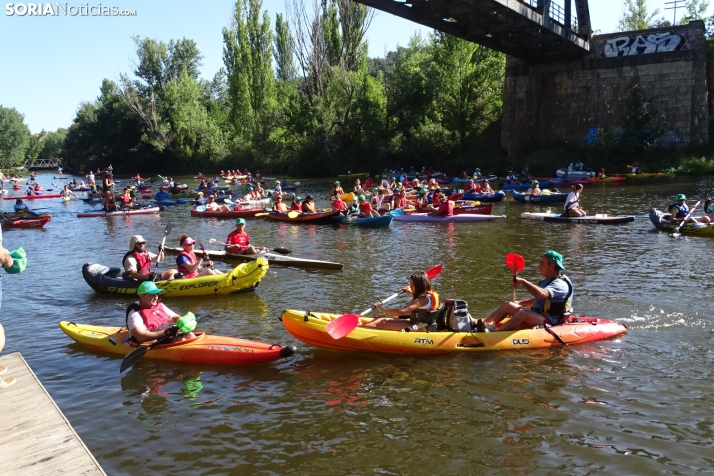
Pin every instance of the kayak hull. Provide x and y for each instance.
(484, 197)
(576, 174)
(304, 217)
(232, 214)
(373, 222)
(591, 219)
(552, 198)
(25, 222)
(463, 218)
(274, 259)
(141, 211)
(309, 327)
(661, 221)
(204, 349)
(33, 197)
(523, 186)
(243, 278)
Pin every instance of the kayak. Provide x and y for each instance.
(485, 197)
(201, 212)
(551, 198)
(458, 210)
(609, 179)
(371, 222)
(576, 174)
(25, 222)
(647, 175)
(348, 197)
(26, 214)
(34, 197)
(102, 213)
(164, 201)
(571, 181)
(523, 186)
(203, 349)
(355, 176)
(244, 278)
(599, 219)
(661, 221)
(304, 217)
(275, 259)
(309, 327)
(467, 217)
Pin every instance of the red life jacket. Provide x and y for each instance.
(143, 261)
(185, 272)
(339, 205)
(153, 318)
(296, 206)
(281, 207)
(365, 208)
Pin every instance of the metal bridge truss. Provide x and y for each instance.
(43, 164)
(515, 27)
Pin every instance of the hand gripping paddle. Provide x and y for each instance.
(516, 263)
(346, 323)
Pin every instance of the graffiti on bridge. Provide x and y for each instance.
(644, 44)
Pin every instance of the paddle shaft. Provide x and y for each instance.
(684, 220)
(167, 230)
(390, 298)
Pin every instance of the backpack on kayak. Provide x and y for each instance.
(457, 317)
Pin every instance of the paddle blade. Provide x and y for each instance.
(293, 214)
(434, 272)
(515, 262)
(396, 212)
(341, 326)
(133, 358)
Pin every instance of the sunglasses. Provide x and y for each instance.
(142, 243)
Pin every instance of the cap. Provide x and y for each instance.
(240, 221)
(361, 197)
(555, 257)
(535, 182)
(297, 199)
(148, 287)
(477, 168)
(337, 182)
(188, 241)
(134, 240)
(200, 193)
(681, 197)
(355, 198)
(422, 191)
(308, 197)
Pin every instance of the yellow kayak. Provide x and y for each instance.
(244, 278)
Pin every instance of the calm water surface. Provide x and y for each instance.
(641, 404)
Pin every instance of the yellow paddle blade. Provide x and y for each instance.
(293, 214)
(260, 215)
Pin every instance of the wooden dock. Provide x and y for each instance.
(36, 438)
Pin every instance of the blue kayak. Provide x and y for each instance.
(371, 222)
(523, 186)
(552, 198)
(164, 202)
(485, 197)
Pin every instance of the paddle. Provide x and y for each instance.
(293, 214)
(167, 230)
(346, 323)
(516, 263)
(675, 233)
(282, 251)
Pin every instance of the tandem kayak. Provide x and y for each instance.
(244, 278)
(309, 327)
(204, 349)
(543, 198)
(304, 217)
(466, 217)
(371, 222)
(599, 219)
(661, 221)
(485, 197)
(136, 211)
(275, 259)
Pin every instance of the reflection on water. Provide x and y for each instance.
(640, 404)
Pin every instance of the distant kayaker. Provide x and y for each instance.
(188, 263)
(444, 209)
(20, 206)
(572, 206)
(238, 241)
(149, 319)
(161, 194)
(534, 189)
(551, 301)
(59, 171)
(635, 169)
(199, 200)
(137, 262)
(486, 188)
(365, 209)
(679, 210)
(213, 206)
(279, 205)
(337, 189)
(424, 300)
(579, 165)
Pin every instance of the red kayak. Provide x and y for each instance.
(25, 223)
(33, 197)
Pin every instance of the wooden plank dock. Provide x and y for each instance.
(36, 438)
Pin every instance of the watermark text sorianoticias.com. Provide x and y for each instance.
(65, 9)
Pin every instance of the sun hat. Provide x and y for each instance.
(148, 287)
(681, 197)
(19, 261)
(555, 257)
(240, 221)
(134, 240)
(188, 241)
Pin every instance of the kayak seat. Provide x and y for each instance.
(431, 321)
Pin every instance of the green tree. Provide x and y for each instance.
(635, 16)
(696, 10)
(284, 45)
(52, 144)
(642, 123)
(14, 137)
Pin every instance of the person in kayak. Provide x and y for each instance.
(188, 263)
(149, 319)
(199, 200)
(679, 210)
(279, 205)
(308, 206)
(486, 188)
(534, 189)
(424, 300)
(137, 262)
(444, 209)
(66, 192)
(551, 301)
(365, 209)
(337, 189)
(20, 206)
(338, 204)
(213, 206)
(572, 203)
(238, 241)
(353, 208)
(161, 194)
(297, 204)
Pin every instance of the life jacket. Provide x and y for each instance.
(126, 198)
(365, 208)
(296, 206)
(281, 207)
(185, 272)
(554, 310)
(143, 261)
(153, 318)
(339, 205)
(421, 202)
(682, 210)
(449, 208)
(430, 315)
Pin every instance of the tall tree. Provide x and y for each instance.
(14, 137)
(284, 45)
(635, 16)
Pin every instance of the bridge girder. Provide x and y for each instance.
(509, 26)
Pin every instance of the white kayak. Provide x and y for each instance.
(425, 217)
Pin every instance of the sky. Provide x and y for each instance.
(51, 64)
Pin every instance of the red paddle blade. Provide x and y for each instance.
(515, 262)
(434, 272)
(342, 326)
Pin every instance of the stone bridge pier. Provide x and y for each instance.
(561, 102)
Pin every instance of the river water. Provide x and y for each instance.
(641, 404)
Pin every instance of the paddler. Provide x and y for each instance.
(338, 204)
(137, 262)
(424, 300)
(551, 301)
(297, 204)
(308, 206)
(188, 263)
(572, 206)
(679, 210)
(66, 192)
(337, 189)
(20, 206)
(353, 208)
(149, 319)
(486, 188)
(444, 209)
(365, 209)
(161, 194)
(534, 189)
(279, 205)
(238, 241)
